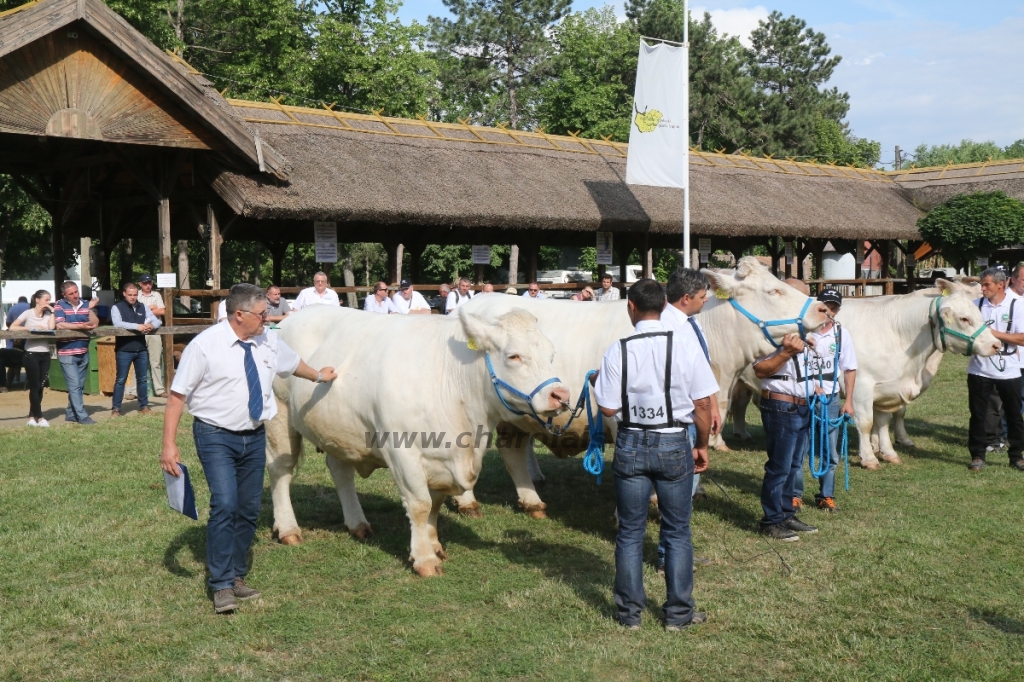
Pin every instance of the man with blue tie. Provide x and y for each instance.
(225, 378)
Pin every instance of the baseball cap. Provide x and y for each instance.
(146, 278)
(831, 296)
(404, 284)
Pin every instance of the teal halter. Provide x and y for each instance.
(938, 323)
(500, 385)
(764, 324)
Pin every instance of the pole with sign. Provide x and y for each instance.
(326, 236)
(604, 248)
(704, 246)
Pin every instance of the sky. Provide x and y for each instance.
(918, 71)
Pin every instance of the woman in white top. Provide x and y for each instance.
(36, 360)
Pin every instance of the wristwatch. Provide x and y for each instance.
(319, 377)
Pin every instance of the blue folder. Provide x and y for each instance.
(180, 495)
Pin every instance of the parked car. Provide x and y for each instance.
(633, 272)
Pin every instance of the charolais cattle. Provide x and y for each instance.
(900, 341)
(416, 394)
(582, 332)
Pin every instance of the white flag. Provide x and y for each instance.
(658, 137)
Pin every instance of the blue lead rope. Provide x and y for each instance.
(819, 457)
(593, 461)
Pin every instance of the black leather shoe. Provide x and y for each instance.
(779, 532)
(795, 524)
(977, 464)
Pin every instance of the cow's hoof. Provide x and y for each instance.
(291, 539)
(361, 532)
(472, 511)
(871, 465)
(428, 569)
(892, 459)
(721, 446)
(534, 511)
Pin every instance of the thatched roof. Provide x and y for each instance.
(930, 187)
(364, 168)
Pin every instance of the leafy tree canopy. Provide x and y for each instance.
(972, 225)
(835, 144)
(968, 151)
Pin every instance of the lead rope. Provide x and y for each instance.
(593, 461)
(822, 425)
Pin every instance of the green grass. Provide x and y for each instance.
(920, 577)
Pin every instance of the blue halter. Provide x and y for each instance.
(499, 384)
(764, 324)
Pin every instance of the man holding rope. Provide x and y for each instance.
(655, 383)
(833, 353)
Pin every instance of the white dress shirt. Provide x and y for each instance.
(455, 299)
(792, 377)
(416, 302)
(386, 306)
(310, 297)
(211, 375)
(692, 378)
(222, 310)
(998, 317)
(540, 294)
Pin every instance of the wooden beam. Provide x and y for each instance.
(215, 242)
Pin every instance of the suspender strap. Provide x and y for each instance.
(669, 420)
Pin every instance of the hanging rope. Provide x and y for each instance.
(593, 461)
(820, 455)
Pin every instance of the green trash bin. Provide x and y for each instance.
(92, 380)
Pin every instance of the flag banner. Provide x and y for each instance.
(658, 137)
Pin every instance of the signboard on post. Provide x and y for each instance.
(481, 254)
(704, 246)
(789, 253)
(982, 262)
(166, 280)
(604, 248)
(326, 236)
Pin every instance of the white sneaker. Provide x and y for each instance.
(32, 422)
(43, 422)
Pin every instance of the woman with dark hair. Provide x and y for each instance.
(37, 352)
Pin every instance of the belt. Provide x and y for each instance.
(784, 397)
(675, 425)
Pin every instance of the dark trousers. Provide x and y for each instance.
(125, 359)
(979, 400)
(233, 462)
(662, 462)
(10, 358)
(37, 368)
(786, 428)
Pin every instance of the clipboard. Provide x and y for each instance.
(180, 495)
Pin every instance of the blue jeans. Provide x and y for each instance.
(76, 371)
(828, 481)
(125, 359)
(664, 462)
(692, 431)
(233, 462)
(785, 428)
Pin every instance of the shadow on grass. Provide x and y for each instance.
(194, 540)
(1010, 626)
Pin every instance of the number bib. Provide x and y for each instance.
(647, 409)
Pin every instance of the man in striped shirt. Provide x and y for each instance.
(72, 313)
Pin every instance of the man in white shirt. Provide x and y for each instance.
(999, 374)
(378, 301)
(607, 292)
(409, 301)
(655, 383)
(318, 294)
(833, 353)
(225, 377)
(533, 291)
(460, 296)
(154, 300)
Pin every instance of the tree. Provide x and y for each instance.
(834, 143)
(722, 102)
(25, 233)
(502, 49)
(972, 225)
(659, 19)
(968, 151)
(364, 58)
(590, 88)
(789, 64)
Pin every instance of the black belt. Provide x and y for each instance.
(244, 432)
(675, 425)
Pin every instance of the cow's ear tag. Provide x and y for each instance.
(947, 292)
(722, 294)
(472, 344)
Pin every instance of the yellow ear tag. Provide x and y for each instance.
(947, 292)
(472, 345)
(722, 294)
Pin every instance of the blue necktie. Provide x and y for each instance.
(252, 377)
(700, 337)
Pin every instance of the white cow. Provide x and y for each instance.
(899, 345)
(413, 377)
(582, 332)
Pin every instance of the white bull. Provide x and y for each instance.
(582, 332)
(415, 378)
(899, 346)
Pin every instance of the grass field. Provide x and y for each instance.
(920, 577)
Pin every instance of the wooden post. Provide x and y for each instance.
(164, 231)
(57, 245)
(215, 241)
(531, 264)
(183, 278)
(646, 256)
(415, 254)
(84, 269)
(479, 273)
(624, 249)
(513, 264)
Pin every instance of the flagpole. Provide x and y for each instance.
(686, 132)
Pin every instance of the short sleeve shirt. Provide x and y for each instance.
(999, 318)
(386, 306)
(455, 299)
(417, 302)
(282, 308)
(65, 312)
(611, 295)
(817, 366)
(309, 297)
